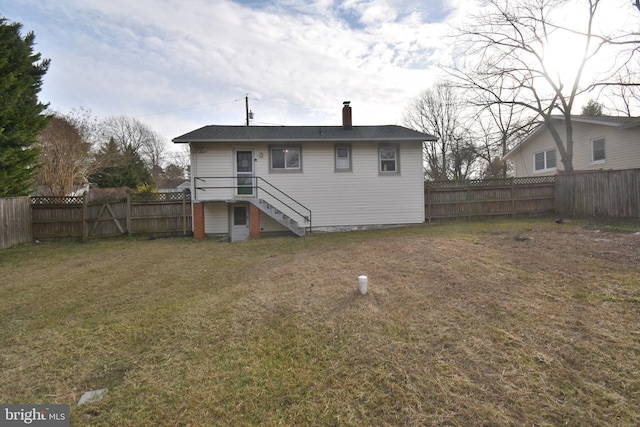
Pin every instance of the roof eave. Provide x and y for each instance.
(518, 146)
(298, 140)
(613, 121)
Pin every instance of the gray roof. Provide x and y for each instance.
(604, 120)
(388, 133)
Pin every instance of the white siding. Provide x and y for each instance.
(523, 159)
(212, 162)
(269, 224)
(358, 198)
(216, 218)
(362, 197)
(622, 149)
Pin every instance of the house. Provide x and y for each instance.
(174, 186)
(599, 143)
(252, 180)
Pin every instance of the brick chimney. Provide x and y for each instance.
(346, 115)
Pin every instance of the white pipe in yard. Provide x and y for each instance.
(362, 284)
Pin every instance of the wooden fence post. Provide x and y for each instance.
(85, 217)
(128, 210)
(184, 212)
(513, 197)
(428, 208)
(468, 205)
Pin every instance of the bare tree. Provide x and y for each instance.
(510, 46)
(182, 158)
(154, 153)
(623, 92)
(174, 172)
(439, 111)
(65, 157)
(87, 125)
(498, 128)
(130, 134)
(125, 132)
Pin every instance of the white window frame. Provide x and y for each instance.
(604, 151)
(546, 168)
(340, 166)
(385, 171)
(286, 168)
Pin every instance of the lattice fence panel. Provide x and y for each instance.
(51, 200)
(152, 197)
(475, 183)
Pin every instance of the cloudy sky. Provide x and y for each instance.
(177, 65)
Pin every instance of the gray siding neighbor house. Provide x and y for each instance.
(253, 180)
(599, 143)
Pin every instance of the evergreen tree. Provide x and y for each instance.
(592, 108)
(120, 169)
(108, 169)
(136, 171)
(21, 118)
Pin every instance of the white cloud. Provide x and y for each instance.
(296, 61)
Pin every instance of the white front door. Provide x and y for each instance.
(239, 222)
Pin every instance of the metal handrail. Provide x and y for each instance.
(308, 218)
(257, 187)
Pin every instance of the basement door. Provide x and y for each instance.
(239, 222)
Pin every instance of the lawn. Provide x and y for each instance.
(499, 323)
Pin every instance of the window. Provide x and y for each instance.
(286, 158)
(343, 157)
(539, 161)
(544, 161)
(239, 215)
(597, 151)
(388, 158)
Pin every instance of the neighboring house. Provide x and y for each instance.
(174, 186)
(80, 190)
(253, 180)
(186, 185)
(599, 143)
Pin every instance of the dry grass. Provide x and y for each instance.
(503, 323)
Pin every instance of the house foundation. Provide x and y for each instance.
(198, 221)
(254, 222)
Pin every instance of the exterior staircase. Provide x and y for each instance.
(301, 226)
(279, 216)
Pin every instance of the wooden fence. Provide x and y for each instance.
(15, 221)
(603, 193)
(78, 219)
(479, 199)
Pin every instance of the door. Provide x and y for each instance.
(244, 173)
(239, 223)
